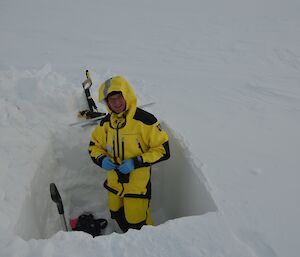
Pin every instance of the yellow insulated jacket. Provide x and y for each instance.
(134, 134)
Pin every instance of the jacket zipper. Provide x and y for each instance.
(114, 151)
(123, 149)
(118, 146)
(118, 149)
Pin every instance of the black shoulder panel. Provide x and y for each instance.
(145, 117)
(105, 119)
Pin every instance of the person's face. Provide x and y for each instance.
(116, 103)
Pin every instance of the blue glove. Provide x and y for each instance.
(127, 166)
(107, 164)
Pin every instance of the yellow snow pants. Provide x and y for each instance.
(129, 212)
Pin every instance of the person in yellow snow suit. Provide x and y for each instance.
(126, 143)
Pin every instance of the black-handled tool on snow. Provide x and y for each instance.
(86, 87)
(92, 112)
(55, 196)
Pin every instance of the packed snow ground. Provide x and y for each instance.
(226, 82)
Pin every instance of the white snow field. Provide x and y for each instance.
(225, 79)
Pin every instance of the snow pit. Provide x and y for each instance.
(179, 187)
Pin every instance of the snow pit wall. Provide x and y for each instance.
(178, 186)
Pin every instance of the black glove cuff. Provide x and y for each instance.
(138, 162)
(100, 159)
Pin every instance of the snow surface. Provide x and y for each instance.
(225, 76)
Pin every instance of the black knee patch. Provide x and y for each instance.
(119, 216)
(137, 226)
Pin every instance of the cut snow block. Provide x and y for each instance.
(179, 187)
